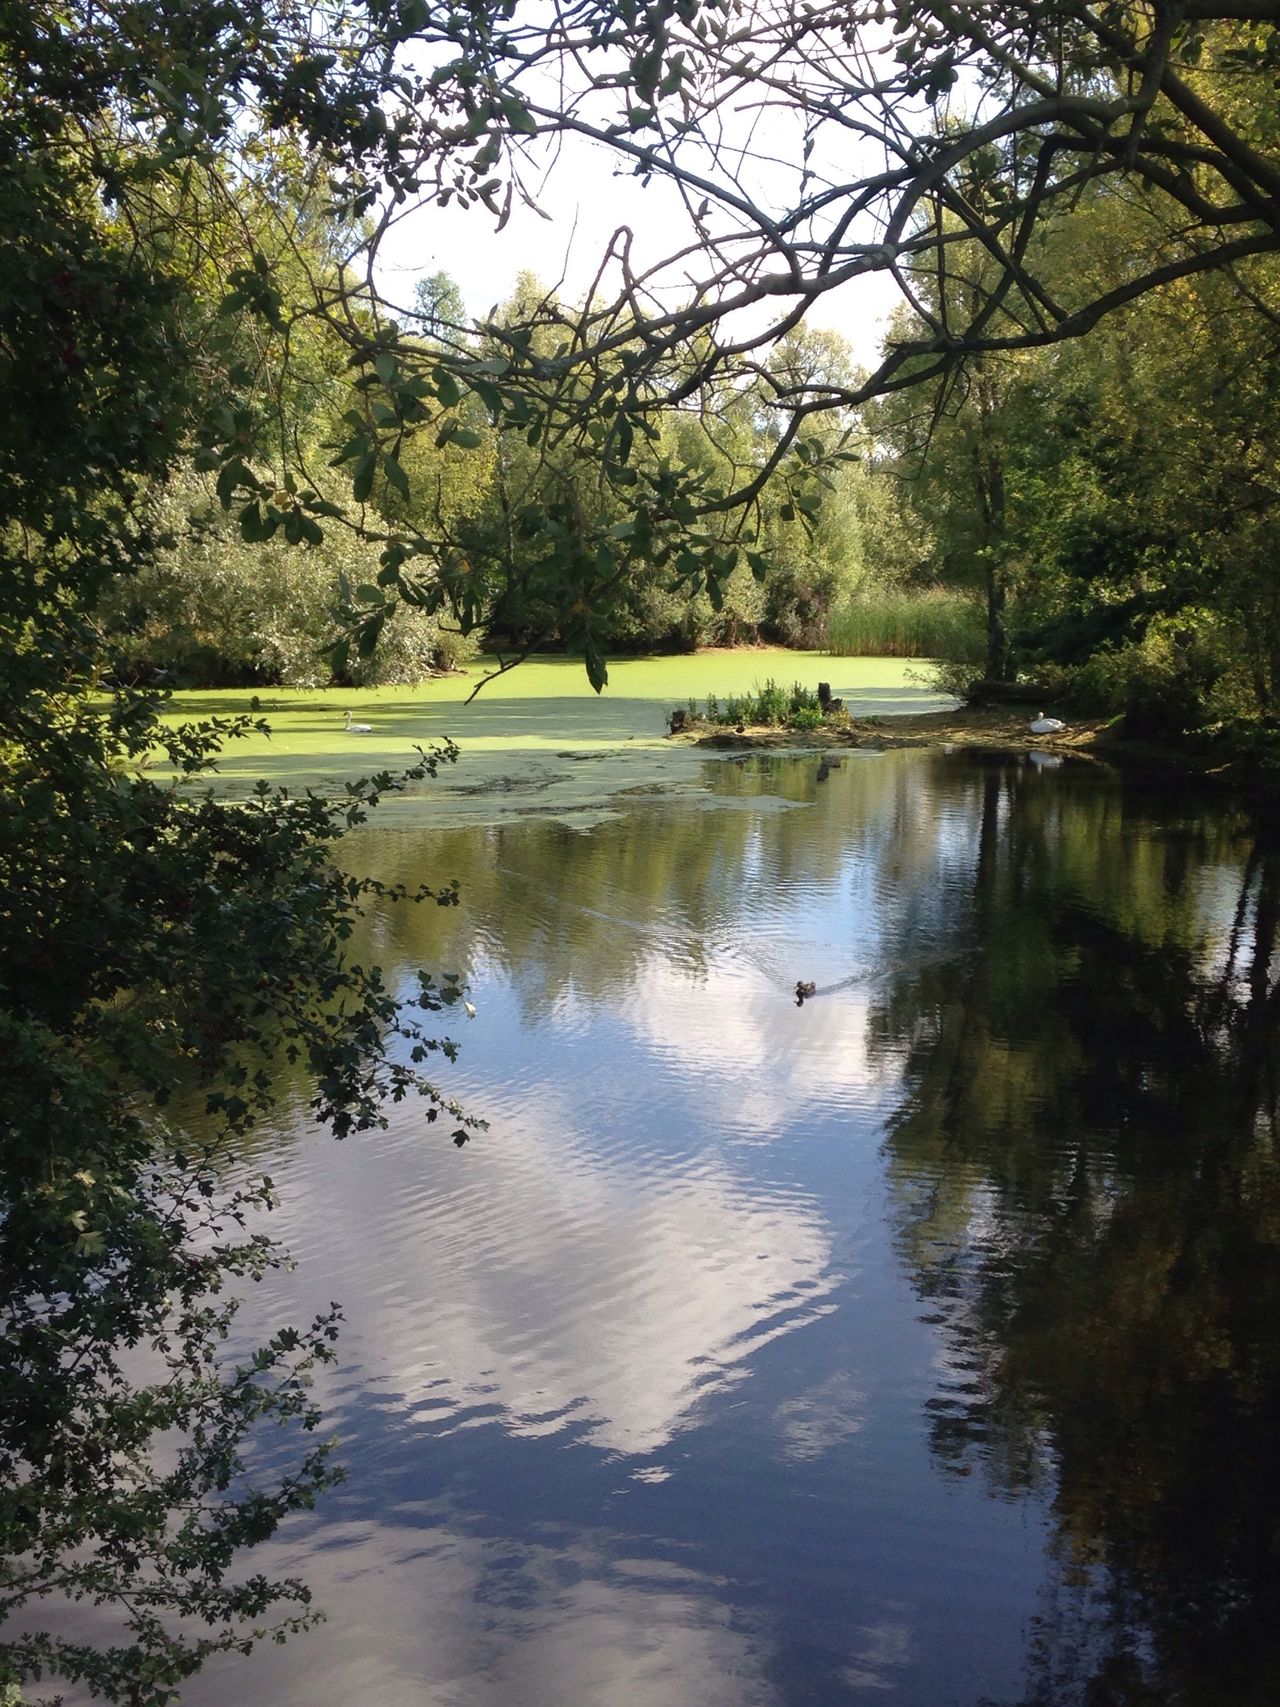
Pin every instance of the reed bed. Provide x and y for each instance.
(936, 623)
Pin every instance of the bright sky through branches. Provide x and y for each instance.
(588, 192)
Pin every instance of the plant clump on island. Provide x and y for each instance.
(769, 705)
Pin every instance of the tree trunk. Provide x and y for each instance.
(989, 478)
(998, 662)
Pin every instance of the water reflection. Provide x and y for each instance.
(775, 1355)
(568, 1290)
(1084, 1172)
(456, 1618)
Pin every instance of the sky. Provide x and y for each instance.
(585, 198)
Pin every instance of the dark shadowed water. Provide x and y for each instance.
(916, 1346)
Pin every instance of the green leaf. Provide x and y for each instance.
(369, 636)
(396, 475)
(452, 434)
(597, 673)
(232, 474)
(362, 480)
(257, 524)
(518, 116)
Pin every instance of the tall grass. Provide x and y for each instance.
(936, 623)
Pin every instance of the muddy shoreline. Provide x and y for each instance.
(998, 728)
(962, 726)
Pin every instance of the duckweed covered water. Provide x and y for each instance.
(537, 738)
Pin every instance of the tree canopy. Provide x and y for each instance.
(965, 152)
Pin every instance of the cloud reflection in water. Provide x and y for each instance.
(554, 1287)
(446, 1619)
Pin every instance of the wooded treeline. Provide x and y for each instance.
(1114, 500)
(212, 608)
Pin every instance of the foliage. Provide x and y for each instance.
(613, 518)
(768, 703)
(157, 944)
(1158, 495)
(211, 610)
(154, 944)
(1116, 500)
(192, 196)
(90, 1509)
(1003, 134)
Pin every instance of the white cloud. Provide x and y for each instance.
(813, 1423)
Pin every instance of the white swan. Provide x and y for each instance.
(357, 728)
(1043, 725)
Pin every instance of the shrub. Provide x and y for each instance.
(216, 612)
(770, 703)
(1166, 684)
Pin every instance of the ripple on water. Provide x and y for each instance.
(534, 1283)
(693, 1379)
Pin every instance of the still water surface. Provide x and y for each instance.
(916, 1345)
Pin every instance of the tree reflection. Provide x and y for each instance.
(1073, 980)
(1089, 1205)
(558, 913)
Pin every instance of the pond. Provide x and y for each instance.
(914, 1344)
